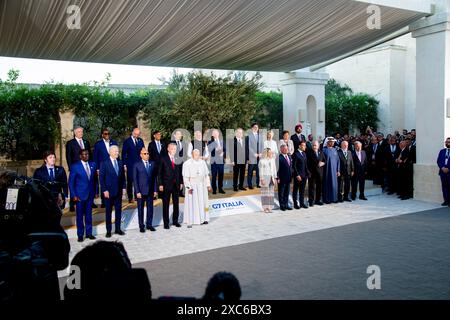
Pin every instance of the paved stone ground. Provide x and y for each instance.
(245, 228)
(411, 250)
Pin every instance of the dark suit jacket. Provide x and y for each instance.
(212, 151)
(167, 175)
(347, 166)
(73, 151)
(79, 184)
(296, 140)
(360, 166)
(154, 154)
(391, 157)
(300, 164)
(378, 154)
(109, 180)
(143, 182)
(238, 153)
(441, 162)
(284, 170)
(313, 163)
(100, 152)
(60, 185)
(131, 153)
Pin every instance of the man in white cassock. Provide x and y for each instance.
(197, 183)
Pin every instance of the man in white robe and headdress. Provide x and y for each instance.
(197, 183)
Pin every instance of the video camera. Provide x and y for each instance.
(33, 245)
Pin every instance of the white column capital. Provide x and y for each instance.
(303, 77)
(436, 23)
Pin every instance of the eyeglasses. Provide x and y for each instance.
(146, 153)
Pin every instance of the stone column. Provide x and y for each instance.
(66, 123)
(433, 99)
(304, 101)
(143, 125)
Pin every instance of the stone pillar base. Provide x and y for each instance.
(427, 184)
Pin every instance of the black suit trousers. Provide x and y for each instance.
(174, 192)
(298, 191)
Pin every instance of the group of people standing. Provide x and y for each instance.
(334, 170)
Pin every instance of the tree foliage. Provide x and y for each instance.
(218, 101)
(347, 111)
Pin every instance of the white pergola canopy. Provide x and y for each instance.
(268, 35)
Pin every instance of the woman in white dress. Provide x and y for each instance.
(287, 141)
(271, 144)
(268, 173)
(197, 184)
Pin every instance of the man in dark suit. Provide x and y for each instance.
(297, 137)
(347, 172)
(391, 153)
(53, 177)
(217, 150)
(254, 145)
(144, 179)
(360, 167)
(73, 148)
(101, 153)
(170, 182)
(403, 161)
(82, 188)
(284, 178)
(131, 151)
(181, 153)
(301, 174)
(157, 148)
(112, 183)
(238, 157)
(443, 162)
(316, 162)
(374, 152)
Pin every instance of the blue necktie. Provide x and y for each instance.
(116, 167)
(52, 175)
(147, 168)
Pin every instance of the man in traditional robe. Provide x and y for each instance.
(196, 181)
(331, 172)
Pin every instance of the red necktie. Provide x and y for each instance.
(173, 163)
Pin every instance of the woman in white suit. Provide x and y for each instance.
(268, 179)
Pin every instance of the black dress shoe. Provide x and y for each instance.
(142, 230)
(151, 228)
(289, 208)
(250, 187)
(319, 203)
(311, 204)
(91, 237)
(166, 227)
(120, 233)
(362, 198)
(177, 225)
(94, 206)
(222, 191)
(445, 203)
(347, 200)
(283, 209)
(108, 234)
(296, 206)
(304, 206)
(258, 186)
(80, 239)
(353, 198)
(235, 189)
(242, 188)
(214, 192)
(206, 222)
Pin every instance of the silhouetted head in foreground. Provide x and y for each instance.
(223, 286)
(105, 272)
